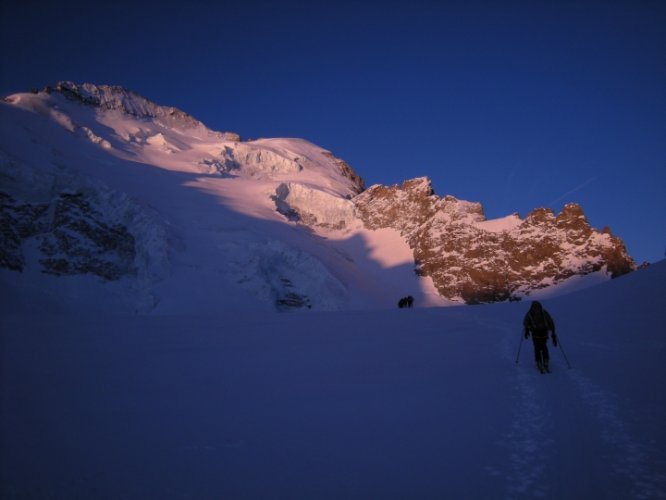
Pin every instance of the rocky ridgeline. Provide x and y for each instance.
(470, 263)
(114, 97)
(358, 184)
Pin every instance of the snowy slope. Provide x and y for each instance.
(215, 221)
(424, 403)
(109, 201)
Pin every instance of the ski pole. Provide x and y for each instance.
(519, 347)
(559, 344)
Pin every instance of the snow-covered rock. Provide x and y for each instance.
(63, 224)
(99, 183)
(113, 97)
(96, 181)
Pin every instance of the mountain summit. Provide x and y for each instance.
(110, 200)
(113, 97)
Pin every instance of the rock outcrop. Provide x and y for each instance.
(472, 262)
(71, 236)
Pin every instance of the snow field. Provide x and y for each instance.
(424, 403)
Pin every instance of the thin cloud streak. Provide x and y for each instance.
(572, 190)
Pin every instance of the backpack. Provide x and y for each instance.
(538, 321)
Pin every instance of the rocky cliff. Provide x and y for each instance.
(474, 260)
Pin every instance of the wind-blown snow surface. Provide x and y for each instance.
(422, 403)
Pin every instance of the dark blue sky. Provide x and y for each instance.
(516, 104)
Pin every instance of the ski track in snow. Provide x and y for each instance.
(630, 458)
(527, 437)
(528, 441)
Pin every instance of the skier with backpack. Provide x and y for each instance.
(538, 322)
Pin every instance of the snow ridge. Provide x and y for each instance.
(93, 146)
(184, 206)
(117, 98)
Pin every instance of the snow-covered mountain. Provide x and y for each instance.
(110, 203)
(110, 200)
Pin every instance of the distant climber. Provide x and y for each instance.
(538, 322)
(406, 302)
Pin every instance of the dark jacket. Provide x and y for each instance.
(538, 322)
